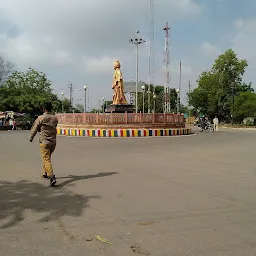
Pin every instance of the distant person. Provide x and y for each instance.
(216, 124)
(46, 125)
(11, 123)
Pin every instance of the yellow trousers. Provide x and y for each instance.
(46, 153)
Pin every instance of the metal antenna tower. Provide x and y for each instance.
(167, 104)
(151, 62)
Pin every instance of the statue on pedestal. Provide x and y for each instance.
(118, 85)
(119, 104)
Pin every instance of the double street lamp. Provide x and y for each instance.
(137, 41)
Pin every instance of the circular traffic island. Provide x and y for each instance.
(121, 125)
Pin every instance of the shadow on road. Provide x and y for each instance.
(74, 178)
(17, 197)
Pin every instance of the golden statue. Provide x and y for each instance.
(118, 85)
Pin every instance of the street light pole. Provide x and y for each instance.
(154, 98)
(85, 89)
(189, 110)
(62, 102)
(143, 98)
(149, 107)
(179, 86)
(233, 102)
(178, 97)
(137, 75)
(233, 79)
(137, 41)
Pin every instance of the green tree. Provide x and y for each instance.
(245, 87)
(66, 106)
(159, 100)
(245, 106)
(108, 102)
(184, 109)
(213, 96)
(79, 108)
(26, 91)
(6, 69)
(94, 110)
(230, 68)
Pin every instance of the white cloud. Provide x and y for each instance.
(75, 40)
(244, 40)
(101, 65)
(210, 50)
(244, 44)
(80, 25)
(238, 24)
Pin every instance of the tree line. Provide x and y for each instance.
(25, 92)
(221, 91)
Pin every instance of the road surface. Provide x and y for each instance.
(179, 196)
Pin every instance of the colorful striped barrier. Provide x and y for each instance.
(123, 132)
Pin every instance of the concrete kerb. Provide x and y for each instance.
(114, 133)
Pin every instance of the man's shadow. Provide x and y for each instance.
(74, 178)
(18, 197)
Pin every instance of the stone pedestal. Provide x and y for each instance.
(119, 108)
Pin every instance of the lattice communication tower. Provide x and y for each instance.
(167, 103)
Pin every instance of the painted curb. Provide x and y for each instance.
(123, 132)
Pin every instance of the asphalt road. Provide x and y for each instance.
(182, 196)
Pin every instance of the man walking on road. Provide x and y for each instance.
(46, 125)
(216, 124)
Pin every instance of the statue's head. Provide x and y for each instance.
(117, 64)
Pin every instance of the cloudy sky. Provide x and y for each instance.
(78, 40)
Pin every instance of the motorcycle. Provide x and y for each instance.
(206, 126)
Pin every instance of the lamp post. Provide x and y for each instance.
(85, 89)
(232, 75)
(148, 92)
(154, 98)
(143, 98)
(233, 102)
(137, 41)
(62, 102)
(103, 103)
(178, 97)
